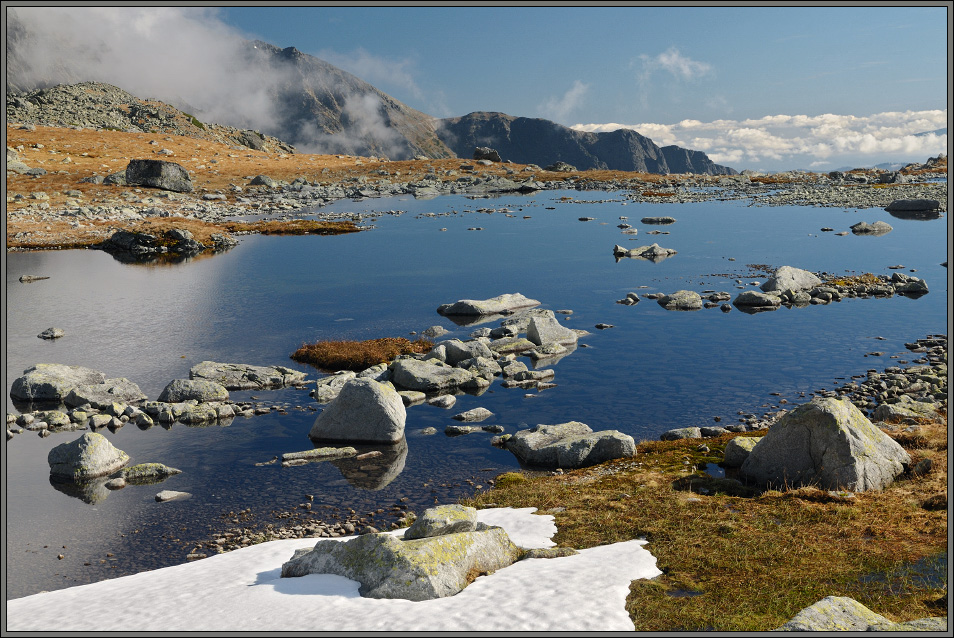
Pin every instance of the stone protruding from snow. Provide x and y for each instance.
(501, 304)
(52, 381)
(789, 278)
(444, 519)
(364, 411)
(179, 390)
(569, 445)
(87, 457)
(545, 329)
(241, 376)
(418, 569)
(828, 443)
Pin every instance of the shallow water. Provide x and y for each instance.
(655, 370)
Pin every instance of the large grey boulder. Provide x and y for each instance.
(545, 329)
(103, 395)
(495, 305)
(789, 278)
(905, 410)
(444, 519)
(419, 569)
(87, 457)
(52, 381)
(839, 613)
(179, 390)
(241, 376)
(486, 153)
(158, 174)
(364, 411)
(427, 376)
(569, 445)
(681, 300)
(828, 443)
(912, 205)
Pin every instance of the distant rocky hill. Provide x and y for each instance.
(537, 141)
(103, 106)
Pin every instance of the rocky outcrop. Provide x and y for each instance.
(537, 141)
(437, 565)
(241, 376)
(568, 445)
(364, 411)
(495, 305)
(828, 443)
(88, 457)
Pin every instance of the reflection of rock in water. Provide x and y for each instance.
(918, 215)
(377, 472)
(92, 492)
(473, 320)
(753, 310)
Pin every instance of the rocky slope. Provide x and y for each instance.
(536, 141)
(94, 105)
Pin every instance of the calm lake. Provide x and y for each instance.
(653, 371)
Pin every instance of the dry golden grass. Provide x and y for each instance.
(332, 356)
(755, 560)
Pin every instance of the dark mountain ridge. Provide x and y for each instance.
(537, 141)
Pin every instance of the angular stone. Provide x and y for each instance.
(546, 329)
(456, 351)
(103, 395)
(427, 376)
(52, 381)
(828, 443)
(87, 457)
(327, 388)
(241, 376)
(158, 174)
(364, 411)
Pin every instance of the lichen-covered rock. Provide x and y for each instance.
(52, 381)
(456, 350)
(419, 569)
(89, 456)
(681, 433)
(201, 390)
(241, 376)
(828, 443)
(916, 410)
(444, 519)
(364, 411)
(738, 449)
(495, 305)
(146, 473)
(839, 613)
(569, 445)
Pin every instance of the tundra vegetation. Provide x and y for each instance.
(735, 559)
(332, 356)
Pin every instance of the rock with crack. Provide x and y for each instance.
(828, 443)
(569, 445)
(414, 569)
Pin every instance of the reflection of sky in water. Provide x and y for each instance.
(653, 371)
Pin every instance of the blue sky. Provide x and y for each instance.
(769, 88)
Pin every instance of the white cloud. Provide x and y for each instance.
(793, 141)
(674, 62)
(559, 108)
(376, 70)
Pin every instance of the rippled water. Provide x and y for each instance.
(655, 370)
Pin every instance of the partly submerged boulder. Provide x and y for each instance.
(90, 456)
(681, 300)
(103, 395)
(428, 376)
(544, 329)
(364, 411)
(52, 381)
(501, 304)
(877, 228)
(569, 445)
(828, 443)
(789, 278)
(242, 376)
(201, 390)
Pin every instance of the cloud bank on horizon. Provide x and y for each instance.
(818, 142)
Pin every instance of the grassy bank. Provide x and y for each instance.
(735, 560)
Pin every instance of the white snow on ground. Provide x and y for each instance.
(242, 591)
